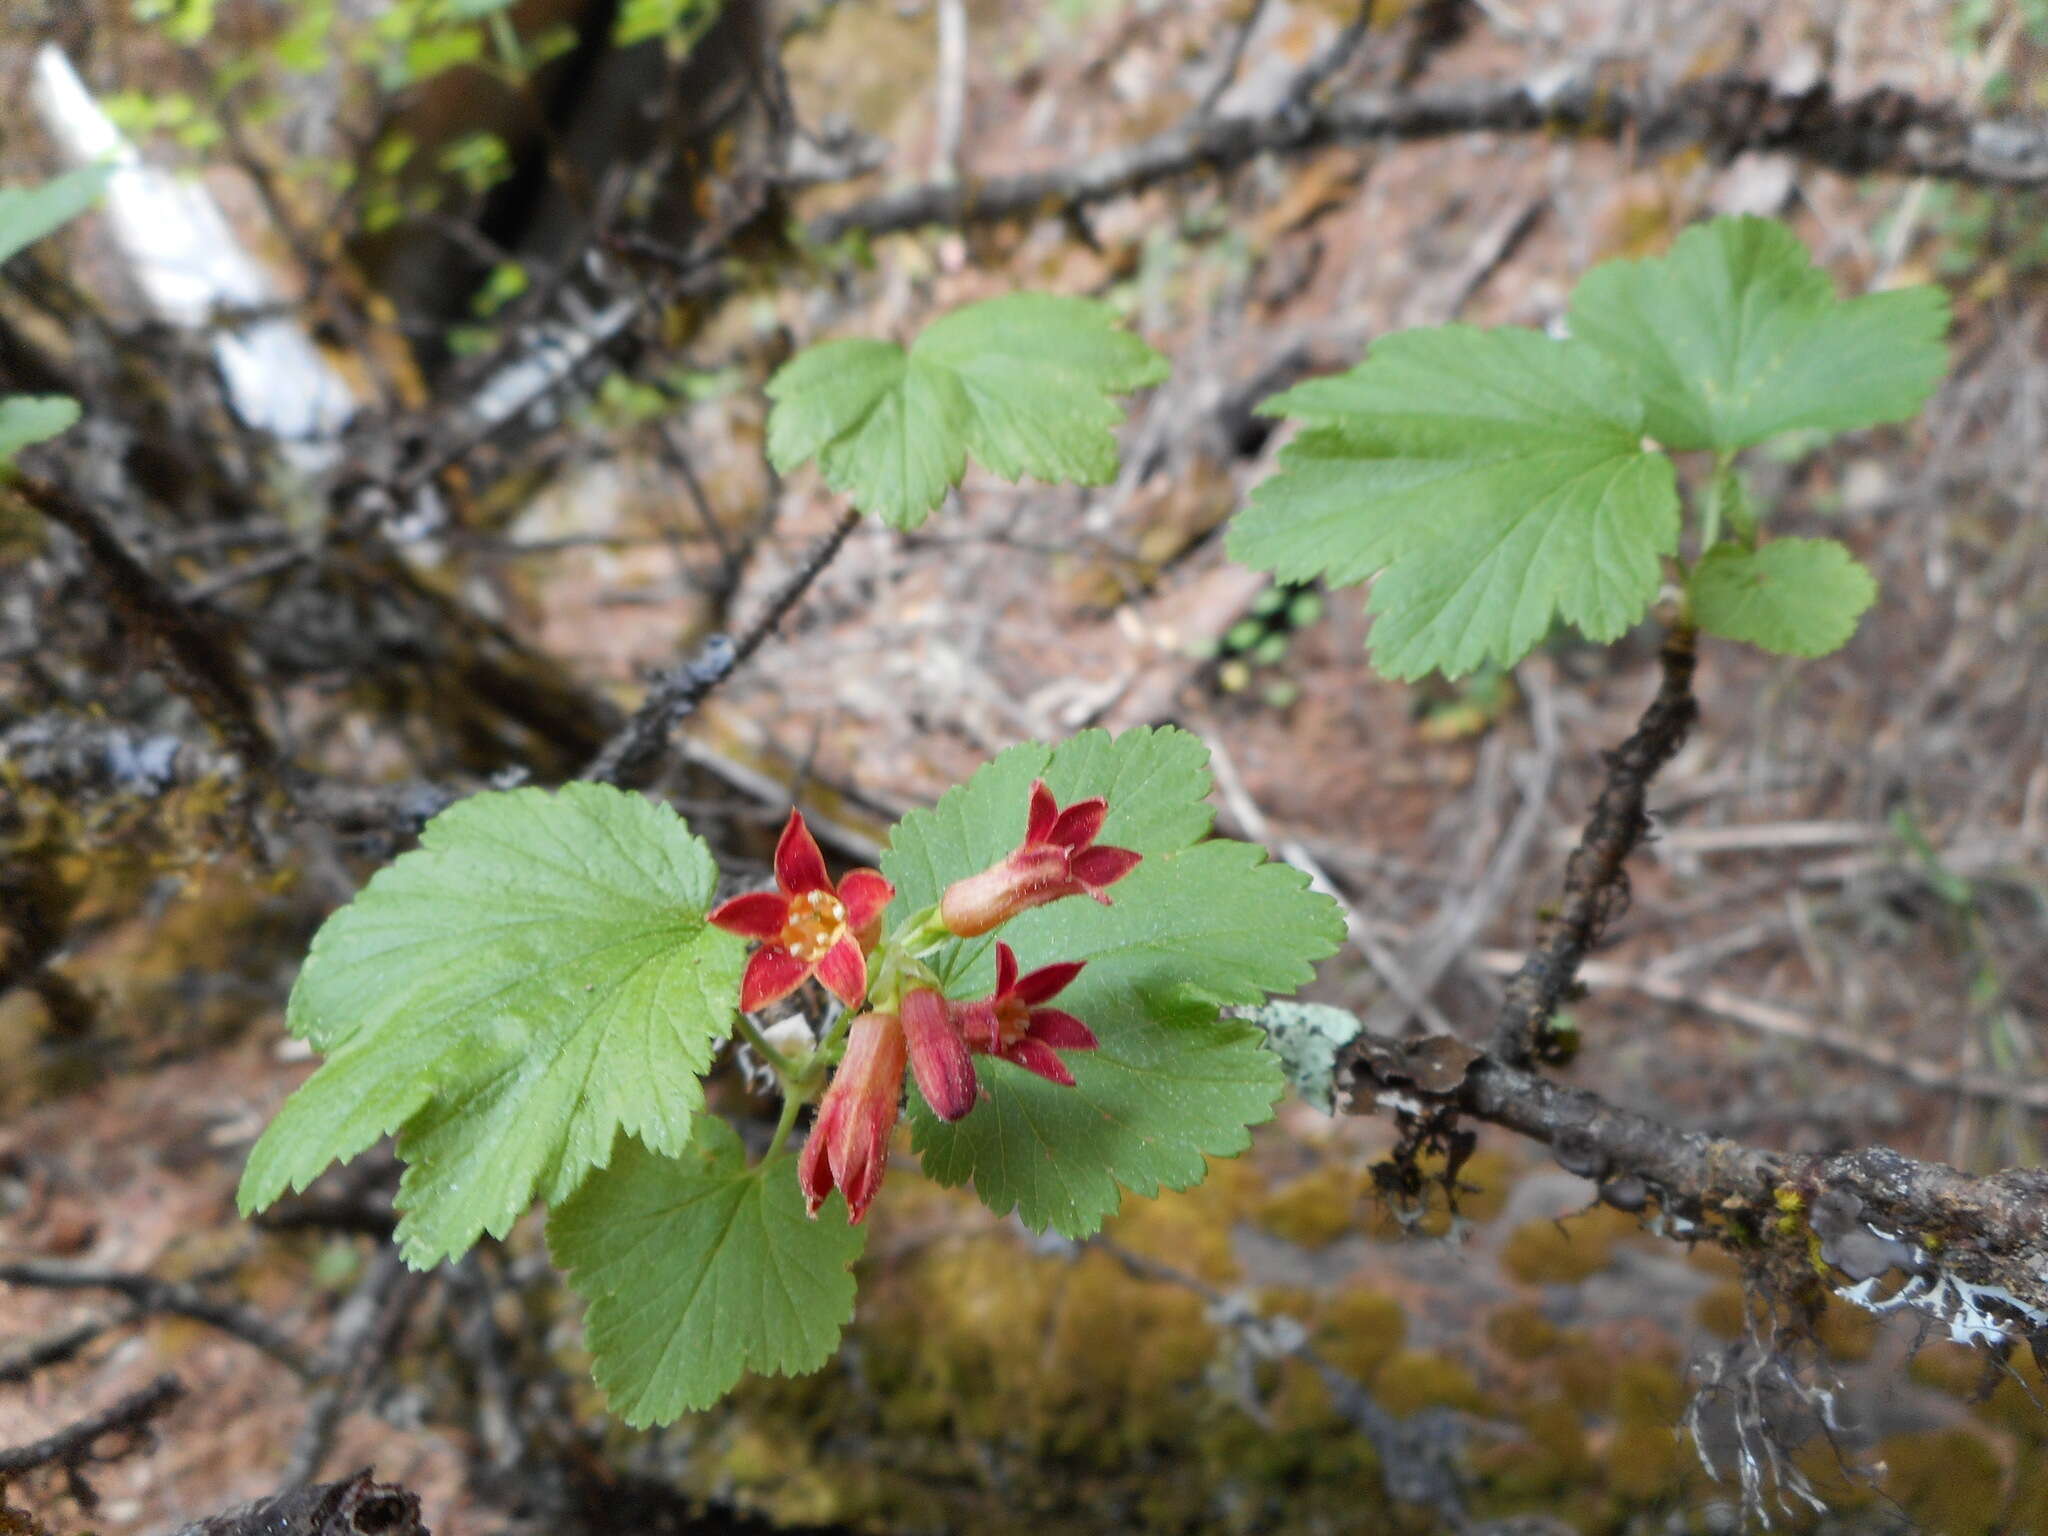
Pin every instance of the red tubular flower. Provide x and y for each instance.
(938, 1054)
(809, 927)
(849, 1146)
(1057, 858)
(1010, 1024)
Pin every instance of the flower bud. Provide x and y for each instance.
(849, 1145)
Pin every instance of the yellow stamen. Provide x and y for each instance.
(810, 935)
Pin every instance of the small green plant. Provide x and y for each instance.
(1491, 483)
(26, 215)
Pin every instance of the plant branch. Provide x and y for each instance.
(1973, 1248)
(151, 1294)
(1596, 880)
(198, 662)
(636, 752)
(1882, 130)
(73, 1447)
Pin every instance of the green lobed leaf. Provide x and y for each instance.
(1200, 924)
(1021, 383)
(1493, 481)
(535, 977)
(1736, 336)
(1797, 597)
(29, 213)
(699, 1269)
(26, 419)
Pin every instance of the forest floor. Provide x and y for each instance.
(1846, 899)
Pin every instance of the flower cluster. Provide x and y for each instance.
(810, 927)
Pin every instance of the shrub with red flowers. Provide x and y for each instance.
(1050, 972)
(1039, 970)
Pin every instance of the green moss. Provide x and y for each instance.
(2018, 1403)
(1361, 1331)
(1948, 1482)
(1949, 1368)
(1416, 1379)
(1488, 1178)
(1315, 1209)
(1644, 1462)
(1648, 1394)
(1523, 1333)
(1585, 1374)
(1551, 1459)
(1724, 1311)
(1557, 1252)
(1846, 1332)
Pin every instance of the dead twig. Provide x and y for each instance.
(153, 1295)
(78, 1445)
(198, 662)
(638, 749)
(366, 1333)
(1882, 130)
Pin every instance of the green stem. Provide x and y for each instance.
(507, 43)
(834, 1035)
(1711, 512)
(785, 1074)
(791, 1105)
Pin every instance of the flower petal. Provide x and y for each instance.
(938, 1055)
(799, 866)
(756, 915)
(1079, 824)
(864, 892)
(1096, 868)
(814, 1168)
(844, 972)
(1047, 981)
(1006, 969)
(1035, 1056)
(978, 1025)
(868, 1087)
(772, 974)
(1044, 812)
(1061, 1030)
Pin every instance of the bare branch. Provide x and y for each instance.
(198, 662)
(636, 752)
(1882, 130)
(1595, 879)
(151, 1294)
(75, 1446)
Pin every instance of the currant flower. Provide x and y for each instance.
(1010, 1023)
(939, 1057)
(808, 926)
(849, 1145)
(1057, 858)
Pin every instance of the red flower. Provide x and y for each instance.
(938, 1054)
(849, 1145)
(809, 927)
(1057, 858)
(1010, 1024)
